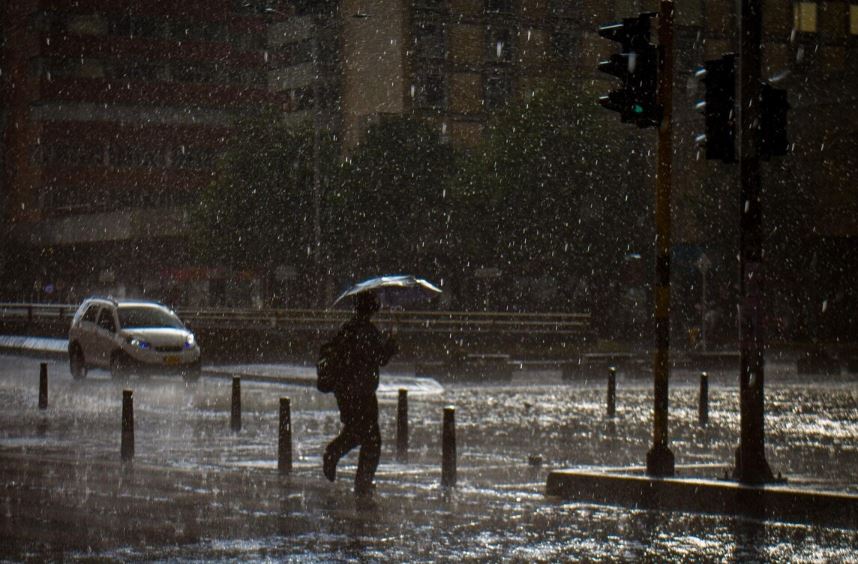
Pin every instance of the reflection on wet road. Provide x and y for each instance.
(195, 490)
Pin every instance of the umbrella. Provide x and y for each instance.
(394, 289)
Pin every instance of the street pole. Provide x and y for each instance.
(317, 190)
(751, 465)
(659, 459)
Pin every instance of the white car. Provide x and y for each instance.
(131, 336)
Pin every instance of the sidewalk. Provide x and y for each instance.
(391, 380)
(198, 491)
(42, 345)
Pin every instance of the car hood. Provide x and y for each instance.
(158, 336)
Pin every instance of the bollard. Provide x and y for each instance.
(703, 405)
(612, 391)
(402, 426)
(284, 444)
(43, 385)
(127, 448)
(235, 415)
(448, 448)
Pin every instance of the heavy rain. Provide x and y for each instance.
(428, 280)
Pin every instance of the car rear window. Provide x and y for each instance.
(139, 317)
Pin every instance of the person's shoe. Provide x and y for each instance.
(364, 490)
(329, 466)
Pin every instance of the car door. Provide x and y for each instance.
(86, 333)
(105, 335)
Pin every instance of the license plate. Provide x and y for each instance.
(172, 360)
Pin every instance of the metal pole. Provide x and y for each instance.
(43, 386)
(703, 307)
(659, 459)
(284, 444)
(127, 444)
(703, 400)
(751, 464)
(317, 190)
(402, 426)
(612, 391)
(448, 448)
(235, 412)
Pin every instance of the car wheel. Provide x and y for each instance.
(119, 366)
(77, 364)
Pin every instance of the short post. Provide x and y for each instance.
(703, 405)
(43, 385)
(235, 414)
(284, 444)
(612, 391)
(402, 426)
(127, 448)
(448, 448)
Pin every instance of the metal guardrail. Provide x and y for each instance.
(441, 322)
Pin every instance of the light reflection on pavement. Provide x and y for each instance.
(197, 491)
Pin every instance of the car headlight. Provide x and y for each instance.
(139, 343)
(190, 342)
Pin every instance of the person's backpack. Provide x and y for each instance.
(329, 367)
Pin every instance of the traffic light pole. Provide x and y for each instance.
(659, 459)
(751, 465)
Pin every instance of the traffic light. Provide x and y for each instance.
(773, 121)
(719, 108)
(637, 67)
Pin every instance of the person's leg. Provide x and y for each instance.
(337, 448)
(370, 454)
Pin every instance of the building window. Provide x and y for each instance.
(431, 89)
(73, 68)
(297, 53)
(566, 9)
(74, 154)
(93, 24)
(498, 91)
(194, 158)
(134, 26)
(135, 156)
(499, 6)
(805, 17)
(199, 72)
(135, 70)
(198, 31)
(499, 45)
(429, 40)
(853, 19)
(436, 5)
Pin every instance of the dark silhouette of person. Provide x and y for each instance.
(365, 349)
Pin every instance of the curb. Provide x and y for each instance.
(766, 502)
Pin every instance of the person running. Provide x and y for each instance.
(365, 349)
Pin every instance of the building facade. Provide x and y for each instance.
(114, 113)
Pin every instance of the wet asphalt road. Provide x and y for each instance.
(197, 491)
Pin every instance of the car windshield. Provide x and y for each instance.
(142, 316)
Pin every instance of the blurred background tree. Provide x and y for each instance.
(390, 210)
(257, 214)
